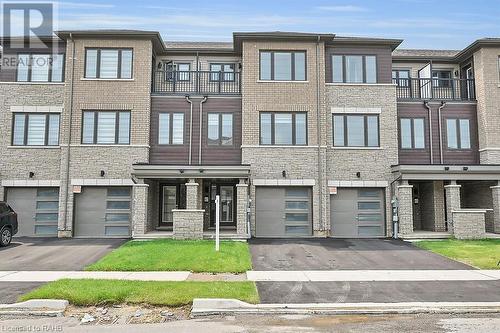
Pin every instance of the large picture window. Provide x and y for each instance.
(355, 130)
(412, 131)
(108, 63)
(458, 133)
(282, 128)
(35, 129)
(106, 127)
(283, 65)
(40, 67)
(354, 69)
(171, 128)
(220, 129)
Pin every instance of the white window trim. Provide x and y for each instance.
(374, 110)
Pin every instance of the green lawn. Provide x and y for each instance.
(87, 292)
(174, 255)
(483, 254)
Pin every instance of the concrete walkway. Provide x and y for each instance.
(262, 276)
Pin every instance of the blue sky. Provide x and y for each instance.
(450, 24)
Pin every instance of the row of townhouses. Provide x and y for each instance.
(121, 134)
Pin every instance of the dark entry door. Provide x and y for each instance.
(172, 196)
(227, 209)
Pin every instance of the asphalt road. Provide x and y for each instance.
(48, 254)
(484, 323)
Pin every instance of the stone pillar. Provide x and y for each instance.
(452, 201)
(469, 223)
(439, 219)
(188, 223)
(191, 195)
(495, 192)
(241, 207)
(140, 209)
(405, 199)
(2, 193)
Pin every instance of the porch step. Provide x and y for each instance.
(427, 235)
(224, 235)
(156, 235)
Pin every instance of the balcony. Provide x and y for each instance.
(437, 89)
(196, 82)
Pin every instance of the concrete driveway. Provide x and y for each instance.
(360, 254)
(48, 254)
(344, 254)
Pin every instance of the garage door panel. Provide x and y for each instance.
(358, 212)
(103, 212)
(37, 210)
(283, 212)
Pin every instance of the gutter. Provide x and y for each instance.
(73, 52)
(201, 122)
(318, 134)
(426, 104)
(190, 128)
(441, 159)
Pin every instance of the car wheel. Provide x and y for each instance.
(5, 237)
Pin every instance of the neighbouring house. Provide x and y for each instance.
(117, 133)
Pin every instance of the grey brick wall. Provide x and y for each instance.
(188, 224)
(139, 209)
(452, 193)
(405, 199)
(468, 224)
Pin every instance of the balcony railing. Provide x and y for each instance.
(442, 89)
(197, 82)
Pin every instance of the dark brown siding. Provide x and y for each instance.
(8, 73)
(179, 154)
(383, 54)
(450, 156)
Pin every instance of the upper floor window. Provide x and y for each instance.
(499, 67)
(283, 128)
(458, 133)
(226, 69)
(412, 133)
(108, 63)
(355, 130)
(220, 129)
(171, 128)
(401, 77)
(106, 127)
(283, 65)
(354, 69)
(441, 78)
(40, 67)
(35, 129)
(178, 71)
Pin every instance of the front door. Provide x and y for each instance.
(171, 198)
(227, 208)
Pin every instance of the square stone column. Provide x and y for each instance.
(405, 212)
(2, 193)
(241, 207)
(495, 192)
(191, 195)
(139, 209)
(452, 192)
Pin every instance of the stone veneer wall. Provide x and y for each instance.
(468, 224)
(342, 164)
(188, 224)
(488, 100)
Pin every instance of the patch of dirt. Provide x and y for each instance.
(126, 314)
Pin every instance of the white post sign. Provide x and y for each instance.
(217, 217)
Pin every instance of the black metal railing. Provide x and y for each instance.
(442, 89)
(197, 82)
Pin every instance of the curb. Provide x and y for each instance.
(205, 307)
(35, 307)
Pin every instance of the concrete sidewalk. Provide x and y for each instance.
(262, 276)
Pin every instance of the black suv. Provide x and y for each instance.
(8, 224)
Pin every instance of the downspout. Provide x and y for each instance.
(70, 114)
(201, 122)
(190, 128)
(318, 134)
(430, 130)
(443, 104)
